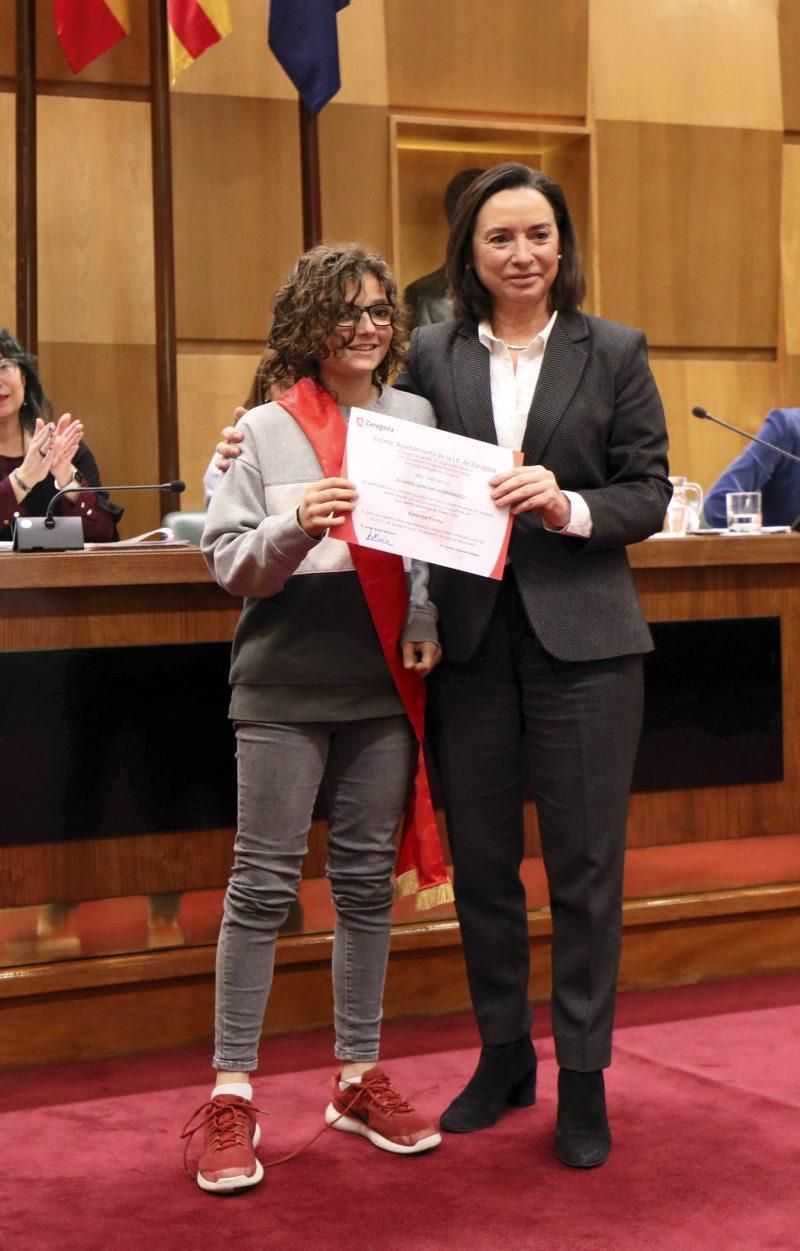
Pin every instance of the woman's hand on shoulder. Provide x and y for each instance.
(229, 446)
(325, 505)
(532, 489)
(421, 657)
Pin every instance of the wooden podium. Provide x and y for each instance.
(713, 880)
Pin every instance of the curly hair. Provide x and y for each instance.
(36, 403)
(306, 307)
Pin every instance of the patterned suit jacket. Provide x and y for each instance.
(597, 423)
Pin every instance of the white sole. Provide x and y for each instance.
(349, 1125)
(226, 1185)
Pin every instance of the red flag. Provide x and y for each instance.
(195, 25)
(88, 28)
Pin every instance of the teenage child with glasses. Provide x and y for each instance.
(327, 675)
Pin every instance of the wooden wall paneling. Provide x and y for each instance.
(740, 391)
(593, 270)
(8, 44)
(8, 213)
(790, 375)
(127, 63)
(698, 64)
(789, 28)
(363, 54)
(570, 165)
(524, 57)
(95, 223)
(111, 387)
(211, 384)
(790, 249)
(354, 174)
(678, 251)
(423, 175)
(238, 229)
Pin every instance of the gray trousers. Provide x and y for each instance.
(366, 769)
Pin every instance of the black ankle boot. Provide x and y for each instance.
(583, 1139)
(505, 1077)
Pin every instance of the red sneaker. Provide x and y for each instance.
(373, 1108)
(228, 1162)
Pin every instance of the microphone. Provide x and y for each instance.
(65, 534)
(705, 415)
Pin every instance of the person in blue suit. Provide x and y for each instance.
(761, 469)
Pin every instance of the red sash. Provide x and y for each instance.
(420, 863)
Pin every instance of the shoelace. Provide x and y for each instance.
(377, 1090)
(232, 1125)
(229, 1129)
(384, 1095)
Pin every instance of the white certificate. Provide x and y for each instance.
(425, 493)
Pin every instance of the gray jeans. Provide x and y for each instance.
(366, 768)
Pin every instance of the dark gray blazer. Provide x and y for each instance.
(597, 423)
(427, 299)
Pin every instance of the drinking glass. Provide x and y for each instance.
(743, 510)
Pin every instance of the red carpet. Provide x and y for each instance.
(704, 1097)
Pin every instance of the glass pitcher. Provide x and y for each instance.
(685, 507)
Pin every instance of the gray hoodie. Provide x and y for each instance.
(305, 648)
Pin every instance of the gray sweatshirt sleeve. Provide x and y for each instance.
(248, 551)
(211, 480)
(422, 615)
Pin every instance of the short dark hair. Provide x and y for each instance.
(470, 298)
(36, 403)
(305, 311)
(456, 186)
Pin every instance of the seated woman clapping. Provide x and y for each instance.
(39, 457)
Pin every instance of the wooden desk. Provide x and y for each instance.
(708, 579)
(117, 598)
(695, 929)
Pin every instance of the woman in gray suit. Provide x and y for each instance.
(542, 673)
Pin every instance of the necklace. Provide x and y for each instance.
(515, 347)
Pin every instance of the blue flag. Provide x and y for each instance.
(302, 34)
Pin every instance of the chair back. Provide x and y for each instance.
(186, 525)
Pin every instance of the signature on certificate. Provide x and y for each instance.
(377, 536)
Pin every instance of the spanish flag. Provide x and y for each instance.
(88, 28)
(195, 25)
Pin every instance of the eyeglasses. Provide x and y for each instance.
(8, 367)
(380, 315)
